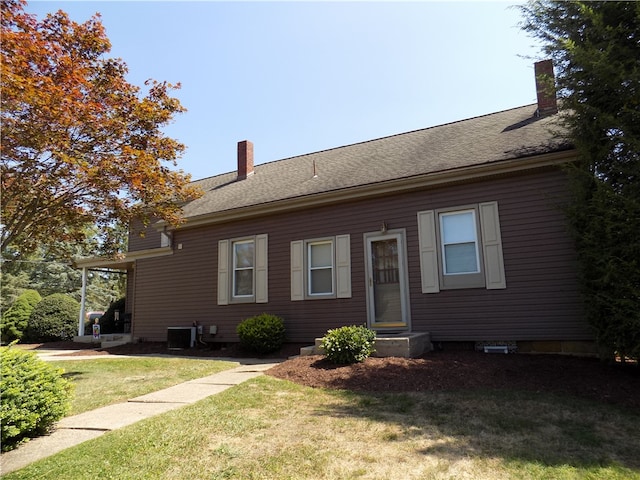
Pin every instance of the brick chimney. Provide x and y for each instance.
(545, 88)
(245, 159)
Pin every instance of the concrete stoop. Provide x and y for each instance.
(106, 341)
(407, 345)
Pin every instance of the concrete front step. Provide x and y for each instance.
(407, 345)
(114, 343)
(107, 340)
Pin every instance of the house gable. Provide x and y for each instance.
(513, 139)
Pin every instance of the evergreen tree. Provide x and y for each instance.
(14, 321)
(49, 273)
(595, 47)
(54, 318)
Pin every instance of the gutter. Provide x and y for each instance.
(379, 188)
(127, 261)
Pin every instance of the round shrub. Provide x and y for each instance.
(263, 333)
(350, 344)
(14, 320)
(34, 396)
(54, 318)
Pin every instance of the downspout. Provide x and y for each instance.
(83, 299)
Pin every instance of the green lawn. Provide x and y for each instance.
(273, 429)
(104, 381)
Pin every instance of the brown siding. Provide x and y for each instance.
(539, 303)
(142, 238)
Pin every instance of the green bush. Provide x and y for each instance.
(350, 344)
(34, 396)
(54, 318)
(108, 322)
(263, 333)
(14, 321)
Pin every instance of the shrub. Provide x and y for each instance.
(350, 344)
(34, 396)
(15, 319)
(108, 322)
(263, 333)
(54, 318)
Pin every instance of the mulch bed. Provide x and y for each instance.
(460, 370)
(436, 371)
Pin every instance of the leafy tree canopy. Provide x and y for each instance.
(80, 145)
(596, 49)
(47, 274)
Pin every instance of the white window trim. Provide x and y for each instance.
(489, 246)
(459, 280)
(235, 269)
(165, 239)
(443, 245)
(341, 268)
(226, 271)
(310, 269)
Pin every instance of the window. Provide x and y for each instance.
(320, 271)
(165, 239)
(321, 268)
(243, 261)
(461, 248)
(459, 243)
(242, 270)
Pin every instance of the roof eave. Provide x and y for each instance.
(125, 263)
(381, 188)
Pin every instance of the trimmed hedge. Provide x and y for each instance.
(54, 318)
(263, 333)
(14, 321)
(349, 344)
(34, 396)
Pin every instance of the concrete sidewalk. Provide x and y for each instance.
(71, 431)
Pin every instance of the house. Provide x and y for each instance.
(456, 230)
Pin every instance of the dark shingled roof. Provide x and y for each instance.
(493, 138)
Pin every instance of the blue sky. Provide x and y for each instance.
(299, 77)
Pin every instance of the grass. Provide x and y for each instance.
(105, 381)
(273, 429)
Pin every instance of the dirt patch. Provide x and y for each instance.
(436, 371)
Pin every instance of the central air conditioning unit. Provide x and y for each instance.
(179, 338)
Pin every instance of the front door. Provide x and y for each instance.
(387, 281)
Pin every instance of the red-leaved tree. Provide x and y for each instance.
(81, 146)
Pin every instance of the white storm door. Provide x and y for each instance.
(387, 281)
